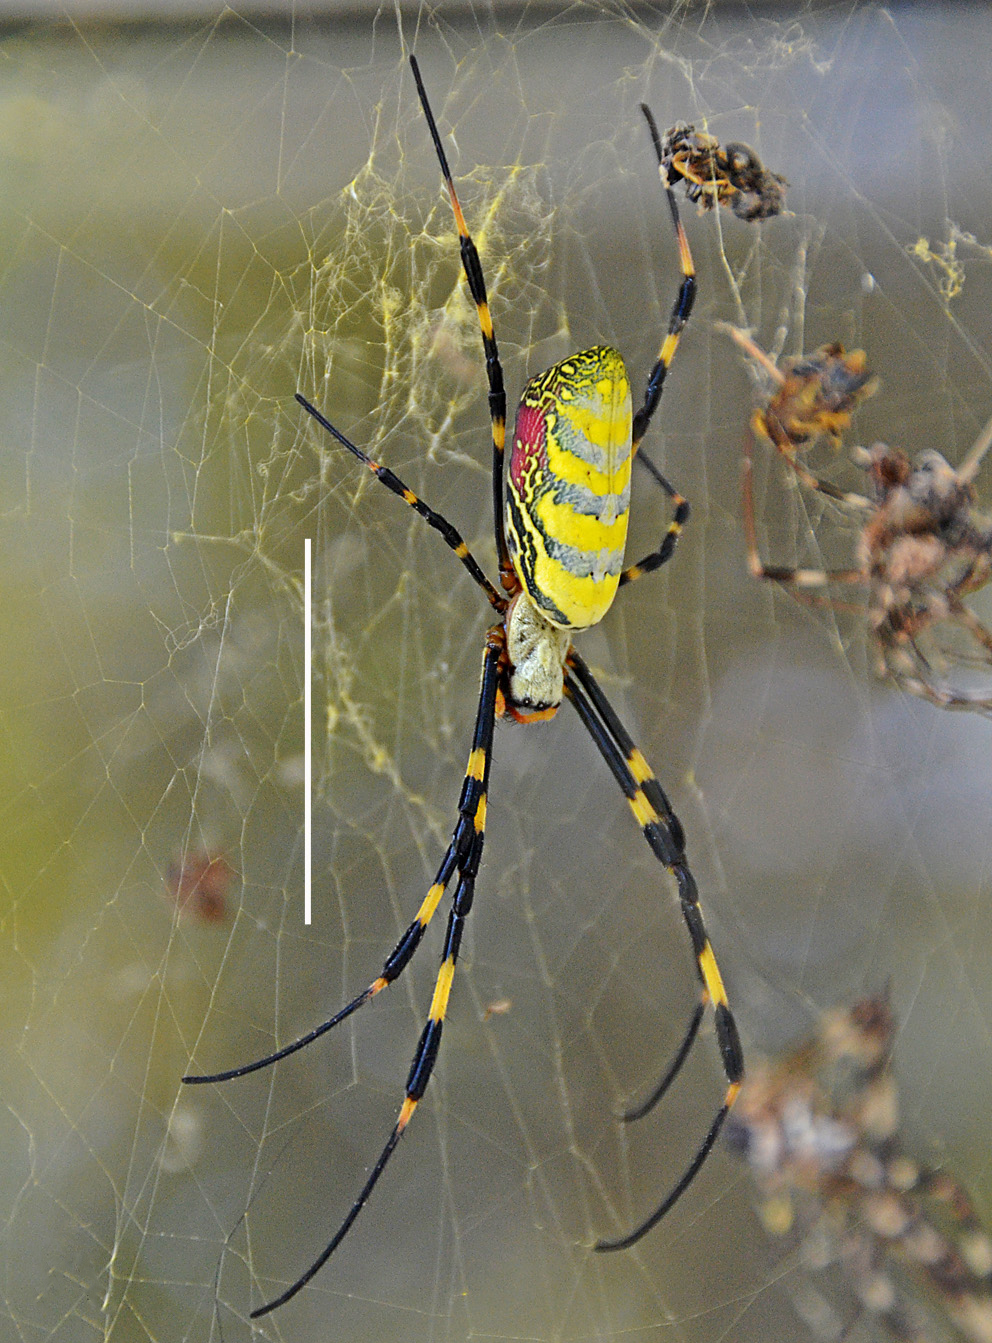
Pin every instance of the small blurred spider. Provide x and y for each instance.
(820, 1132)
(560, 549)
(199, 886)
(923, 545)
(722, 175)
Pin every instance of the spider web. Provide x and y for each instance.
(197, 221)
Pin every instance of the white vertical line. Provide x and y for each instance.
(307, 730)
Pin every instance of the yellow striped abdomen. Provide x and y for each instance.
(568, 486)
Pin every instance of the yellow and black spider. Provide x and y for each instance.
(560, 556)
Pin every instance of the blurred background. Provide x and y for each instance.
(203, 211)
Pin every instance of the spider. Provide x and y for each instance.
(820, 1131)
(722, 175)
(922, 547)
(560, 553)
(815, 396)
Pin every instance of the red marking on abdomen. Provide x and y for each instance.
(529, 452)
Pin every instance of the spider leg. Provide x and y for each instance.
(397, 961)
(754, 352)
(466, 844)
(848, 498)
(681, 309)
(936, 1231)
(788, 577)
(450, 535)
(968, 469)
(944, 1191)
(663, 832)
(683, 301)
(680, 516)
(674, 1068)
(926, 681)
(978, 631)
(477, 287)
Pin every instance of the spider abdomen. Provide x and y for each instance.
(568, 486)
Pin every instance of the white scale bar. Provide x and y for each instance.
(307, 729)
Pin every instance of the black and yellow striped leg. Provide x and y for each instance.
(465, 854)
(397, 961)
(477, 287)
(681, 309)
(683, 302)
(449, 534)
(663, 832)
(680, 516)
